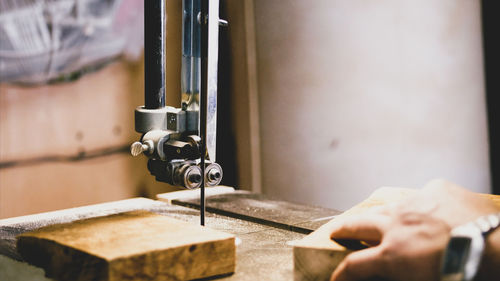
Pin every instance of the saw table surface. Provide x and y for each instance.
(264, 227)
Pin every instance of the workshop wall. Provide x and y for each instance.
(67, 144)
(355, 95)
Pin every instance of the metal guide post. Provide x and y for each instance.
(180, 142)
(208, 101)
(212, 64)
(154, 56)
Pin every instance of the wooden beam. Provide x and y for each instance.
(245, 93)
(316, 255)
(136, 245)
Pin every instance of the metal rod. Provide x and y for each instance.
(203, 106)
(154, 54)
(191, 54)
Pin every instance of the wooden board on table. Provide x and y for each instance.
(135, 245)
(316, 255)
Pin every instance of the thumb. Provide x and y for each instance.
(360, 265)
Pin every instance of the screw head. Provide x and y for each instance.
(214, 175)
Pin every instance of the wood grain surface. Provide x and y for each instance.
(316, 255)
(136, 245)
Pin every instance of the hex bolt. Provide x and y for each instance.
(194, 178)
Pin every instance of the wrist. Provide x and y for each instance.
(462, 257)
(491, 259)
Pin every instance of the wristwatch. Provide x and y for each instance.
(463, 253)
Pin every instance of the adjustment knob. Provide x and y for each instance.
(138, 147)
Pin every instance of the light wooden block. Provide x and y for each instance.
(316, 255)
(136, 245)
(187, 194)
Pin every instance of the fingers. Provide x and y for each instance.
(360, 266)
(366, 227)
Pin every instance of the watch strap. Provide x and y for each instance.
(464, 251)
(488, 223)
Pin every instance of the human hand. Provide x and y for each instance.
(408, 237)
(446, 201)
(408, 247)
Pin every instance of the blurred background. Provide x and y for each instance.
(321, 102)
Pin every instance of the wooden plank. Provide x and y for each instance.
(316, 255)
(253, 96)
(190, 194)
(243, 53)
(261, 209)
(136, 245)
(10, 228)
